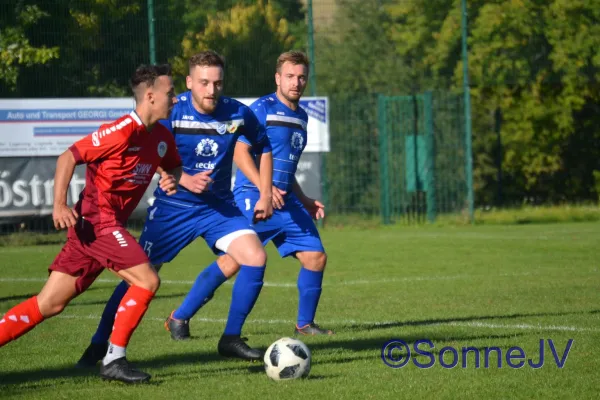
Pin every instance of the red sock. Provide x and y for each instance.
(19, 320)
(129, 314)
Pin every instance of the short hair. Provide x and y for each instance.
(147, 74)
(208, 58)
(294, 56)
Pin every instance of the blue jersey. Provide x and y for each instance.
(286, 130)
(207, 142)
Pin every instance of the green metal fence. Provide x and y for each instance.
(401, 157)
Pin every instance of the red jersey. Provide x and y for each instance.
(121, 159)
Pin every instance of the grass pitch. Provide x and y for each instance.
(482, 286)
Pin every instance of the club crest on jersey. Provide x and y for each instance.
(221, 129)
(232, 127)
(297, 141)
(207, 148)
(162, 149)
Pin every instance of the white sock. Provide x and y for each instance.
(114, 352)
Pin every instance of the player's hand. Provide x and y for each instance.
(198, 183)
(315, 208)
(278, 201)
(263, 210)
(168, 183)
(64, 217)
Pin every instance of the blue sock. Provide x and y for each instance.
(309, 292)
(206, 283)
(108, 315)
(246, 289)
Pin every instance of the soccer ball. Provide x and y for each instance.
(286, 359)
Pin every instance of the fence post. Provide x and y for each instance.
(151, 35)
(467, 94)
(383, 159)
(430, 143)
(312, 77)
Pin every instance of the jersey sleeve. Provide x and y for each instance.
(95, 146)
(255, 133)
(171, 159)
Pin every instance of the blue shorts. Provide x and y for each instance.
(291, 229)
(170, 226)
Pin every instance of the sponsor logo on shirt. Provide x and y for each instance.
(141, 174)
(142, 169)
(96, 136)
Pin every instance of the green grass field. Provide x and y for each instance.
(478, 286)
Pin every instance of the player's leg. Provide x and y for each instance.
(59, 290)
(247, 250)
(121, 253)
(143, 283)
(310, 280)
(163, 236)
(203, 289)
(300, 238)
(70, 274)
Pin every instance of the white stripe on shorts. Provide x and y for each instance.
(223, 243)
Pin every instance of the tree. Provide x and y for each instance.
(531, 61)
(250, 38)
(15, 48)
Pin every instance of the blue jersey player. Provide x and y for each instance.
(291, 227)
(206, 127)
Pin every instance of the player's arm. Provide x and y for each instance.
(243, 159)
(170, 168)
(314, 207)
(62, 214)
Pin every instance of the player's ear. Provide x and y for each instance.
(150, 95)
(277, 78)
(188, 82)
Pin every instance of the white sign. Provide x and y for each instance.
(47, 127)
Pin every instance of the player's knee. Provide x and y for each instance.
(50, 308)
(256, 256)
(228, 265)
(314, 261)
(150, 282)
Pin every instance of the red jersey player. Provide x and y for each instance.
(121, 159)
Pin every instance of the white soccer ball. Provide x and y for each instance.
(287, 359)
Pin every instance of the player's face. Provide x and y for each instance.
(292, 80)
(163, 97)
(206, 84)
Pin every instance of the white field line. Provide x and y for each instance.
(355, 322)
(293, 285)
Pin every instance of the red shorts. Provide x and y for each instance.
(85, 255)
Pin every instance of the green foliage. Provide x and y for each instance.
(534, 61)
(16, 49)
(250, 38)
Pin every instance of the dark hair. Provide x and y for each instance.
(207, 58)
(147, 74)
(294, 56)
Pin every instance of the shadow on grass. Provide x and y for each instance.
(441, 321)
(355, 349)
(359, 348)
